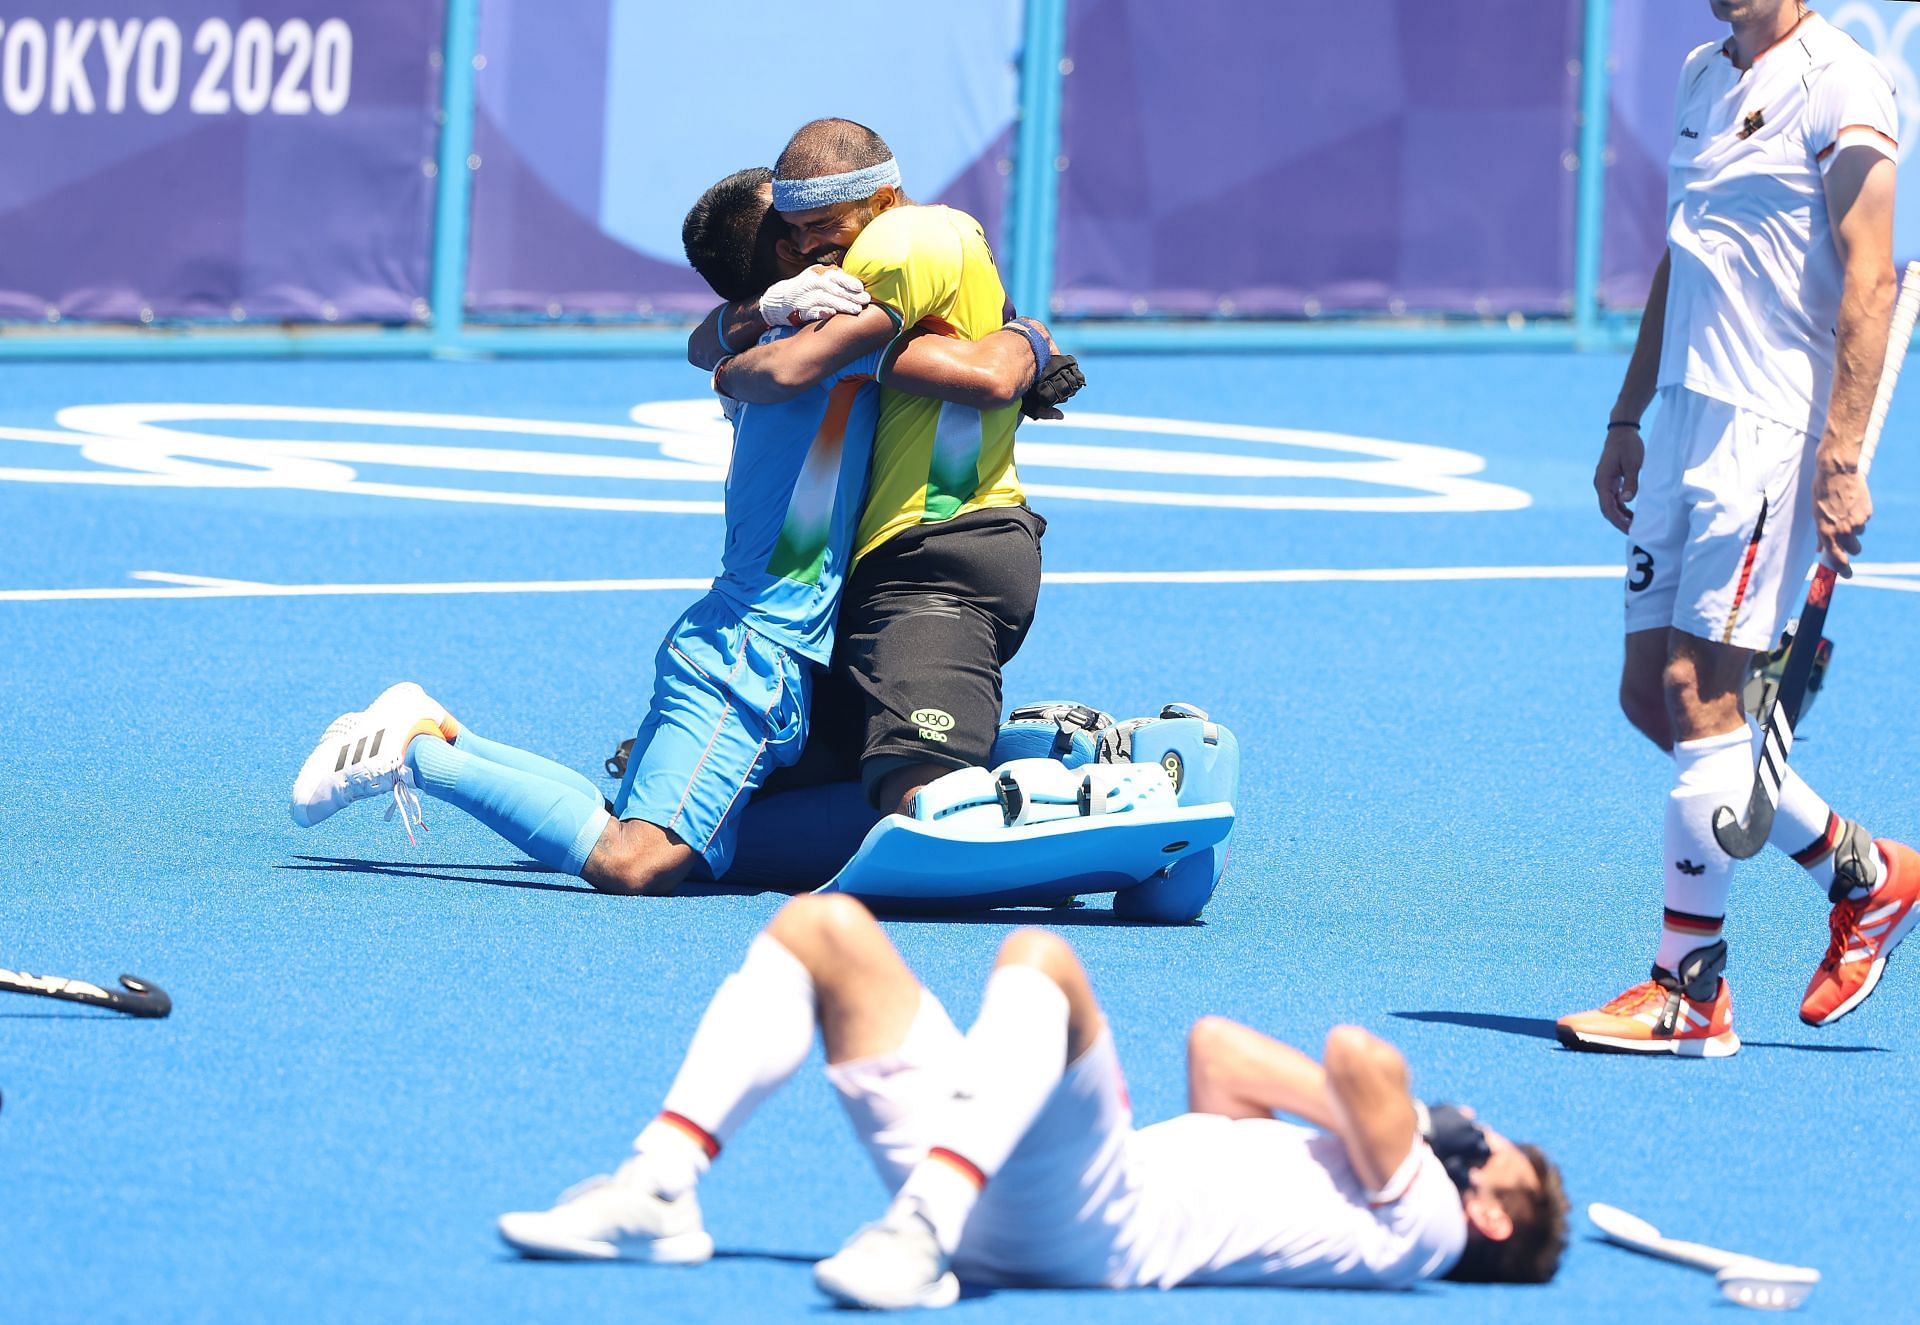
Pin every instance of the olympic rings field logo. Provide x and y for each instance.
(1887, 41)
(683, 447)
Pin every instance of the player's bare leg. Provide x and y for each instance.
(1643, 691)
(1684, 1006)
(1874, 888)
(1037, 1017)
(865, 997)
(898, 788)
(634, 857)
(821, 961)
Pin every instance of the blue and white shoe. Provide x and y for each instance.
(364, 754)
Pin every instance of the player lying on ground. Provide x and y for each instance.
(1013, 1158)
(1765, 329)
(732, 678)
(948, 570)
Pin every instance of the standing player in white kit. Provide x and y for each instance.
(1764, 335)
(1012, 1153)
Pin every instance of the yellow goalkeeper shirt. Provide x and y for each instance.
(930, 268)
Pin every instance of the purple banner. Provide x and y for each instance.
(1374, 155)
(1649, 43)
(600, 121)
(245, 160)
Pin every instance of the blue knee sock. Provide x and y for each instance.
(512, 756)
(555, 824)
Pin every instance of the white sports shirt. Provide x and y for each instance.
(1259, 1201)
(1755, 289)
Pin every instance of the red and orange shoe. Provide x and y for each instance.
(1661, 1015)
(1863, 934)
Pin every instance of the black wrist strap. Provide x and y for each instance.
(1623, 423)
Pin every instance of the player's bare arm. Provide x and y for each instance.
(737, 323)
(1617, 477)
(782, 369)
(1368, 1083)
(1236, 1072)
(1860, 189)
(1359, 1091)
(990, 373)
(810, 293)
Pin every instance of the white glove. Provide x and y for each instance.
(816, 293)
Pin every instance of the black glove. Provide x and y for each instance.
(1457, 1140)
(1058, 383)
(617, 761)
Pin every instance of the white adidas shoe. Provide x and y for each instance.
(893, 1265)
(612, 1218)
(364, 754)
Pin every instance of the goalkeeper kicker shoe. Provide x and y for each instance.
(1689, 1013)
(1863, 933)
(893, 1265)
(364, 754)
(612, 1218)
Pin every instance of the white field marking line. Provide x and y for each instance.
(200, 586)
(243, 589)
(201, 581)
(1882, 582)
(140, 448)
(1328, 575)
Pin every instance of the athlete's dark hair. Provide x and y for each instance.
(730, 233)
(1531, 1254)
(830, 147)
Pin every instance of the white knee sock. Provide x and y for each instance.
(1707, 773)
(1016, 1054)
(754, 1036)
(1806, 828)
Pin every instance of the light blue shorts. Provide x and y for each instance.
(729, 707)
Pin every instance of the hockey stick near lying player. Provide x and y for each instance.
(1743, 838)
(138, 998)
(1748, 1280)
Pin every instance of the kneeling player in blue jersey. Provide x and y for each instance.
(732, 679)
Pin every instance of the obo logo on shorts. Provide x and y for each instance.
(934, 724)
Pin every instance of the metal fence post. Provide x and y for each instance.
(1036, 178)
(454, 192)
(1591, 192)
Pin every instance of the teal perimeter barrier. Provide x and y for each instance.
(1034, 213)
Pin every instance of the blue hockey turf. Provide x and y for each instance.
(1447, 831)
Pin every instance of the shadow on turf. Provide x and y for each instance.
(1053, 917)
(400, 869)
(780, 1257)
(1540, 1028)
(520, 869)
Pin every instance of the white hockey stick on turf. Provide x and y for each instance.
(1744, 838)
(1763, 1285)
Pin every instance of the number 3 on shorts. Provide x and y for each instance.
(1640, 574)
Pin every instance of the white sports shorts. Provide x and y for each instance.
(1722, 536)
(1054, 1214)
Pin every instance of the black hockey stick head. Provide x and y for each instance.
(1741, 840)
(136, 997)
(616, 764)
(141, 998)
